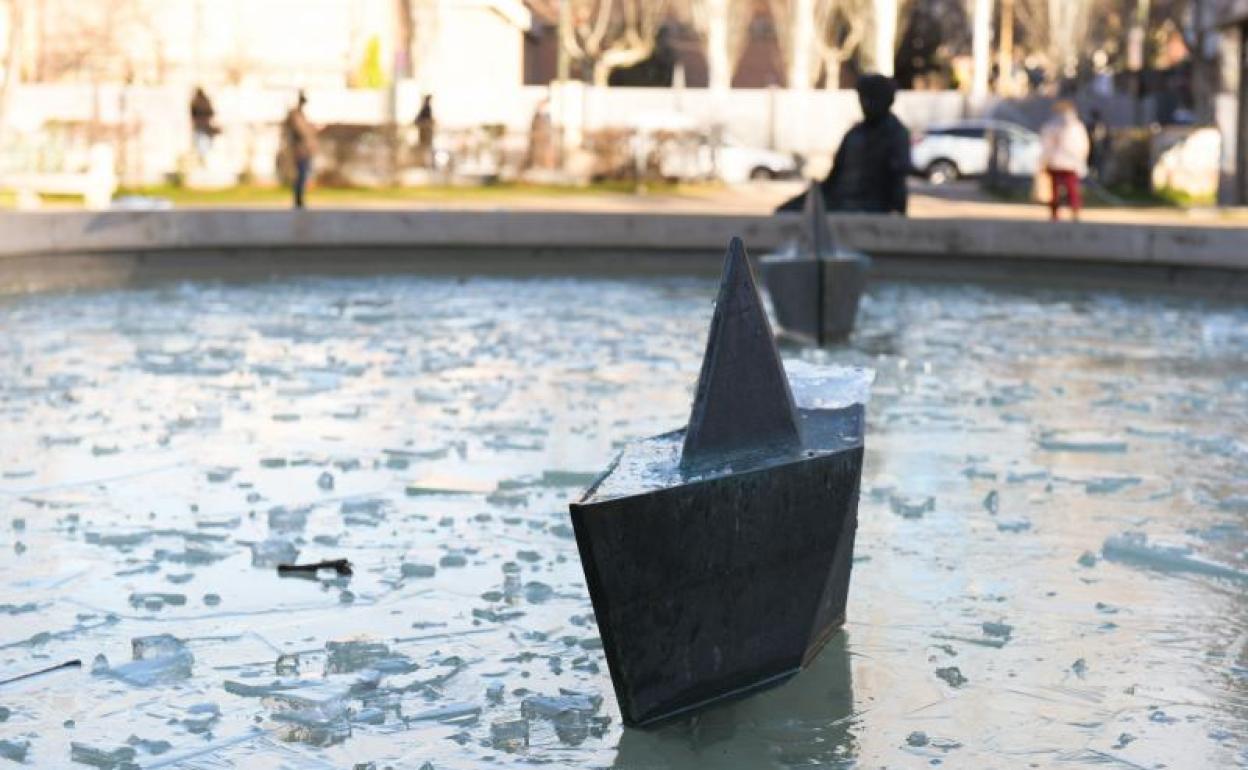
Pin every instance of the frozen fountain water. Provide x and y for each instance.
(1086, 416)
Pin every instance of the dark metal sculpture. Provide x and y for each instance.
(718, 556)
(815, 287)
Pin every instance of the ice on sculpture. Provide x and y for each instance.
(718, 556)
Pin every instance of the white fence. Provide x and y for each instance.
(150, 129)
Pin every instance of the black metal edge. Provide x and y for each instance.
(601, 606)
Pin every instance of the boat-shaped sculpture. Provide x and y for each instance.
(718, 556)
(815, 286)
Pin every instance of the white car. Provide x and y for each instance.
(730, 161)
(948, 152)
(736, 162)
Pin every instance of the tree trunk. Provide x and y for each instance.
(1005, 50)
(885, 38)
(614, 58)
(563, 63)
(1203, 81)
(803, 45)
(1241, 122)
(12, 56)
(981, 32)
(718, 57)
(832, 70)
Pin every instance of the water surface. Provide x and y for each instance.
(1050, 569)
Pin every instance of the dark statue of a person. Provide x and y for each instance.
(870, 168)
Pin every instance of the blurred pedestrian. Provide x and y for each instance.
(1098, 145)
(300, 137)
(202, 127)
(1064, 150)
(870, 168)
(424, 132)
(542, 150)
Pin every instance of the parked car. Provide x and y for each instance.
(698, 154)
(737, 162)
(956, 150)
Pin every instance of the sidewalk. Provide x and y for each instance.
(960, 200)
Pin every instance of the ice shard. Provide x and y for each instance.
(718, 556)
(815, 286)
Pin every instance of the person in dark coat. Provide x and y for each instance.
(870, 168)
(1098, 145)
(424, 132)
(202, 127)
(300, 136)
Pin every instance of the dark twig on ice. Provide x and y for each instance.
(75, 663)
(341, 566)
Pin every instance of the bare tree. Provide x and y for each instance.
(724, 26)
(981, 39)
(1055, 30)
(1195, 19)
(1032, 19)
(841, 27)
(1005, 50)
(1068, 32)
(886, 17)
(98, 40)
(419, 23)
(794, 21)
(15, 12)
(608, 34)
(814, 33)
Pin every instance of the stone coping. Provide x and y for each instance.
(930, 245)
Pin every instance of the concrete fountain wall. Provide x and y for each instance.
(66, 250)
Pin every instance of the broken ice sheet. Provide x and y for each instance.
(368, 512)
(272, 552)
(1135, 548)
(911, 507)
(952, 676)
(159, 659)
(1013, 525)
(287, 520)
(1110, 484)
(510, 735)
(995, 635)
(120, 758)
(156, 601)
(1080, 441)
(445, 484)
(356, 655)
(559, 345)
(452, 712)
(323, 724)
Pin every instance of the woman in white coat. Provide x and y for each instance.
(1064, 156)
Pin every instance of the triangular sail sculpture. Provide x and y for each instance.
(817, 234)
(742, 404)
(718, 556)
(815, 288)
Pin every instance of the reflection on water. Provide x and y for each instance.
(1050, 568)
(804, 722)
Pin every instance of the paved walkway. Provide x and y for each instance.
(961, 200)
